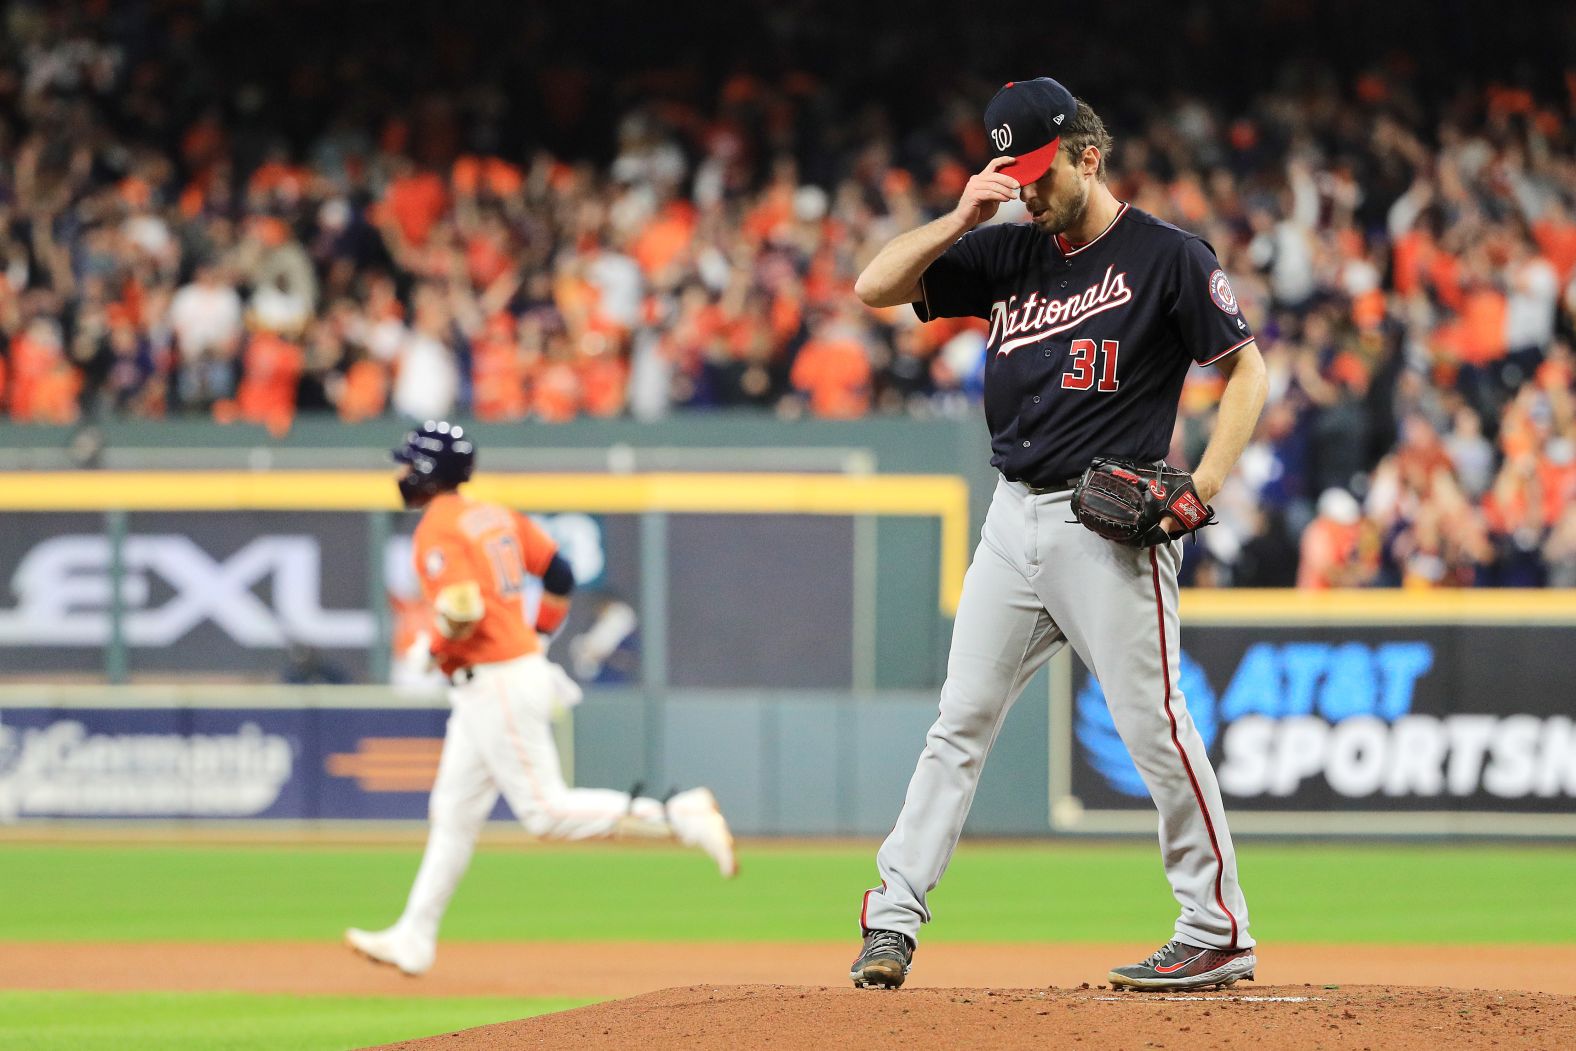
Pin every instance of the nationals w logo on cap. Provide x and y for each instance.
(1027, 117)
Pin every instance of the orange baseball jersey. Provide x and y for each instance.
(462, 540)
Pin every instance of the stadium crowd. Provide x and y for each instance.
(1410, 270)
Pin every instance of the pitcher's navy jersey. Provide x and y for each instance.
(1088, 345)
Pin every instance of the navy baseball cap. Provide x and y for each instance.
(1024, 121)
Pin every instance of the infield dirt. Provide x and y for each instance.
(1334, 997)
(610, 969)
(712, 1018)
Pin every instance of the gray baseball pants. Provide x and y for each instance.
(1038, 582)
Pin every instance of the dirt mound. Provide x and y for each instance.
(707, 1017)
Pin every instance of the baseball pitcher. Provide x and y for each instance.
(472, 559)
(1096, 312)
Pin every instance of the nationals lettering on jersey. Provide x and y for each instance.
(1088, 345)
(1014, 324)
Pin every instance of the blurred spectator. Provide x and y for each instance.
(1559, 552)
(1531, 309)
(426, 376)
(127, 373)
(206, 318)
(1518, 511)
(1471, 455)
(833, 370)
(43, 385)
(206, 315)
(267, 393)
(1285, 246)
(284, 286)
(1269, 558)
(1338, 547)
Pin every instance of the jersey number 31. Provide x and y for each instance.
(1082, 357)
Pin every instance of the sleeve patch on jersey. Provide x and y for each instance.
(1220, 292)
(434, 566)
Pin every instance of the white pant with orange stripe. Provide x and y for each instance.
(500, 741)
(1038, 582)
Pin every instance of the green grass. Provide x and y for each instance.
(69, 1021)
(994, 892)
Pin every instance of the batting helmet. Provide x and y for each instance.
(440, 458)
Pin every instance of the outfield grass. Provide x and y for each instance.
(1480, 894)
(68, 1021)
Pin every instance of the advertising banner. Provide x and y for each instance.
(1327, 728)
(214, 763)
(200, 593)
(331, 596)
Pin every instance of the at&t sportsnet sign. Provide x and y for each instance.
(1423, 728)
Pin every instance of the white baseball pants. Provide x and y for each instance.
(500, 740)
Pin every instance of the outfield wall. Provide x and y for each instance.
(784, 763)
(786, 591)
(1341, 714)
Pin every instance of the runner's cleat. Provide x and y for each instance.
(698, 822)
(394, 948)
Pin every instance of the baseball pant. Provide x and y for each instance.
(1039, 581)
(499, 741)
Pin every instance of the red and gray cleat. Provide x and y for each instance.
(883, 962)
(1178, 965)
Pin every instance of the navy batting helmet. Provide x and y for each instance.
(440, 458)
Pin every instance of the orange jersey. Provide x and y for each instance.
(462, 540)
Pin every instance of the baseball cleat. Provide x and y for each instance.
(698, 822)
(884, 961)
(1178, 965)
(392, 948)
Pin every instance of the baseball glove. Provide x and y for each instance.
(1125, 501)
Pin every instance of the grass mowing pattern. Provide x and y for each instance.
(72, 1021)
(993, 893)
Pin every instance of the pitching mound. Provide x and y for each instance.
(713, 1018)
